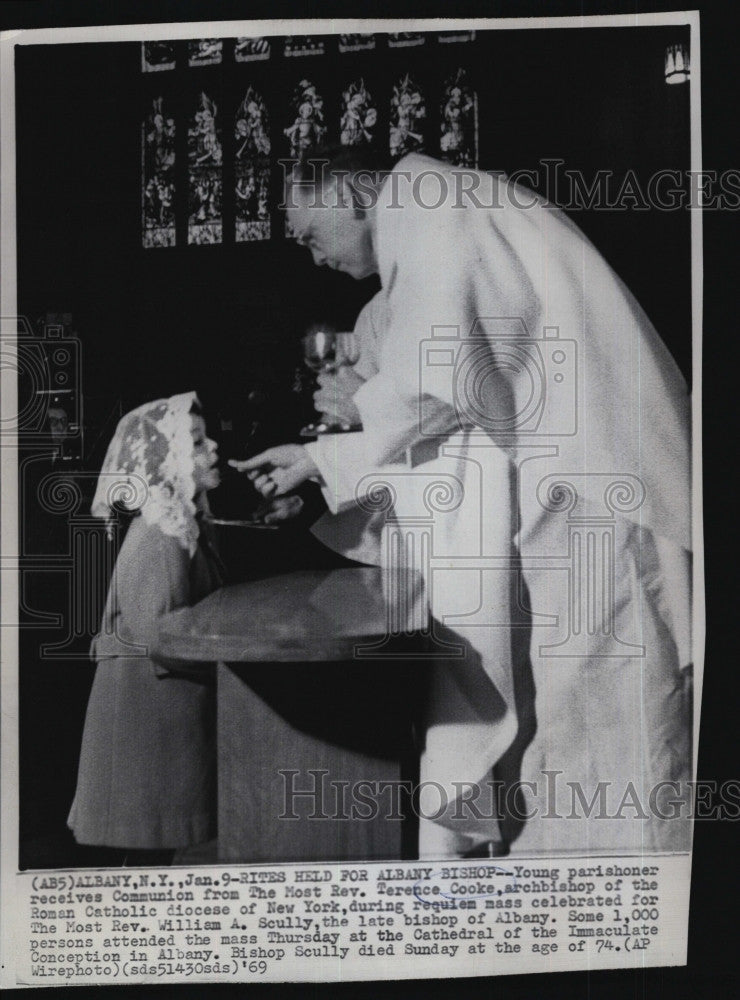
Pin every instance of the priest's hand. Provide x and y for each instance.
(279, 470)
(334, 397)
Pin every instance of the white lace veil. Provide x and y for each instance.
(149, 467)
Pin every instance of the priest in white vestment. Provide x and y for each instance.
(529, 432)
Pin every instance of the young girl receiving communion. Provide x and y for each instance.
(146, 780)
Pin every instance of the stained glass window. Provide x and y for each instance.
(356, 43)
(428, 111)
(252, 169)
(205, 51)
(456, 36)
(156, 56)
(408, 118)
(405, 39)
(308, 128)
(458, 141)
(359, 115)
(251, 49)
(204, 174)
(307, 109)
(158, 177)
(304, 45)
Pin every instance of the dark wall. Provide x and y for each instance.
(596, 99)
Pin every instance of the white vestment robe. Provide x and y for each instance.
(531, 431)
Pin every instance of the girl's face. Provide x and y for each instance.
(205, 453)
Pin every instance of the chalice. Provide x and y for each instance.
(327, 351)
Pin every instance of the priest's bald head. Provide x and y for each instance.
(330, 198)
